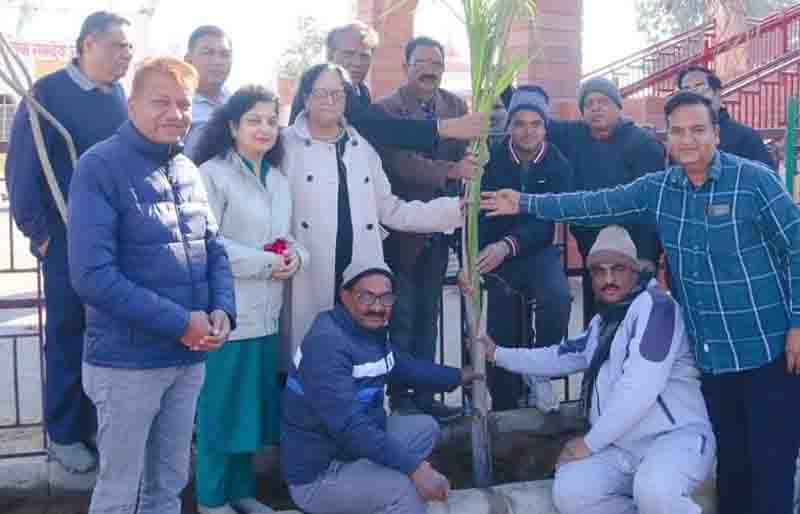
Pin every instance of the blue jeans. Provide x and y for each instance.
(144, 436)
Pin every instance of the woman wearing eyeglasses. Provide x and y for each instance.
(239, 154)
(341, 197)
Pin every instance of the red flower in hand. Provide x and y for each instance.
(279, 246)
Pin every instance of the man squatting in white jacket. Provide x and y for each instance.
(650, 443)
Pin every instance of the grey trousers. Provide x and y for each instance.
(144, 435)
(617, 481)
(364, 487)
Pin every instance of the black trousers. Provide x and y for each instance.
(757, 426)
(539, 277)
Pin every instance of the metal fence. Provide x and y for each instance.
(21, 345)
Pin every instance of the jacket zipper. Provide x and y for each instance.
(165, 171)
(664, 408)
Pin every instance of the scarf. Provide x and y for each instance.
(611, 317)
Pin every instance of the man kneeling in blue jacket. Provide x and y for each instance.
(650, 442)
(339, 451)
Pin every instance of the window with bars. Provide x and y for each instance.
(7, 108)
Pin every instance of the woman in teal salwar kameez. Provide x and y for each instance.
(237, 411)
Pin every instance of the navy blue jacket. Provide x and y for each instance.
(628, 154)
(742, 140)
(332, 406)
(552, 174)
(143, 252)
(89, 116)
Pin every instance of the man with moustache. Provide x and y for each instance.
(731, 234)
(88, 100)
(211, 53)
(419, 261)
(517, 252)
(339, 450)
(146, 259)
(351, 47)
(650, 443)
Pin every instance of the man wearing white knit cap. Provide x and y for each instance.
(650, 443)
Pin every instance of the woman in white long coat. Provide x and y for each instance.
(319, 149)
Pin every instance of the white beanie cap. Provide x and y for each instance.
(614, 244)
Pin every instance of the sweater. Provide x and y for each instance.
(89, 115)
(332, 406)
(551, 174)
(628, 154)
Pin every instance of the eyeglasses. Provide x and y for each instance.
(699, 88)
(368, 299)
(355, 55)
(428, 63)
(335, 95)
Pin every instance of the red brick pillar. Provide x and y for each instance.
(554, 42)
(555, 39)
(395, 30)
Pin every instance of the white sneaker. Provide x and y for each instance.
(541, 394)
(225, 509)
(251, 506)
(75, 458)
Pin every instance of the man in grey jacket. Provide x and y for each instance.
(650, 443)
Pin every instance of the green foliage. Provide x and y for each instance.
(303, 52)
(663, 18)
(488, 24)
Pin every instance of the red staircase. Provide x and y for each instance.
(770, 48)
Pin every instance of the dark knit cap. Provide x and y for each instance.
(599, 85)
(530, 98)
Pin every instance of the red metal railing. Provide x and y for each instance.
(650, 61)
(758, 98)
(652, 71)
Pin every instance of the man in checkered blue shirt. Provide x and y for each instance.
(731, 234)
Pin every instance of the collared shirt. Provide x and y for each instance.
(84, 82)
(733, 246)
(202, 109)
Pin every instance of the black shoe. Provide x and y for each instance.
(443, 413)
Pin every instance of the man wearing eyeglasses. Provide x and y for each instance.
(351, 47)
(339, 451)
(420, 260)
(734, 137)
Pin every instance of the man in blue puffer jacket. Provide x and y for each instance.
(145, 258)
(339, 451)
